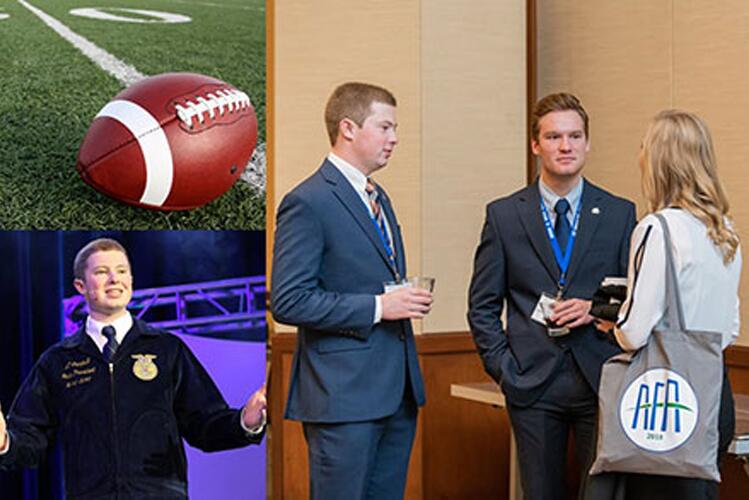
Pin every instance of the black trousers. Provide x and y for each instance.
(543, 428)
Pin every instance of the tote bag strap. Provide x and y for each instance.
(675, 311)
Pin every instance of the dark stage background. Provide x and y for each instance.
(36, 274)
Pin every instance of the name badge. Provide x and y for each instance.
(543, 311)
(391, 286)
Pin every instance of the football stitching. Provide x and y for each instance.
(205, 108)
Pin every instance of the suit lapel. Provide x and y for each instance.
(353, 204)
(529, 212)
(591, 212)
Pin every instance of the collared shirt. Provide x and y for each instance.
(358, 181)
(550, 199)
(121, 326)
(354, 176)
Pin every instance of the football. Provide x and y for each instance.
(174, 141)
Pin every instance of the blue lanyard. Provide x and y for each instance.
(386, 242)
(563, 261)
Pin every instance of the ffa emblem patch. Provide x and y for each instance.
(144, 368)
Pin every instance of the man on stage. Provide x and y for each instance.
(121, 396)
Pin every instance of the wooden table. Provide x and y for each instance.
(490, 393)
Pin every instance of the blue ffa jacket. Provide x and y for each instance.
(121, 429)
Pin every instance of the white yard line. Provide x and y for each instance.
(220, 5)
(122, 71)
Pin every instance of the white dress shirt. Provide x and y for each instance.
(708, 287)
(121, 326)
(358, 181)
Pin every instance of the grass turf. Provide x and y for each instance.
(51, 92)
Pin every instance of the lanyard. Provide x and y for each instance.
(563, 260)
(386, 242)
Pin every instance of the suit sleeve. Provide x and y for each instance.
(486, 297)
(31, 423)
(297, 294)
(204, 418)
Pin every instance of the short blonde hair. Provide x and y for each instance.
(98, 245)
(679, 169)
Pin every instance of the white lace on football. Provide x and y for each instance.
(202, 108)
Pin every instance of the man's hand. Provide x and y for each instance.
(571, 313)
(253, 413)
(406, 303)
(3, 431)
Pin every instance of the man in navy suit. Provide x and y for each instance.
(355, 381)
(543, 251)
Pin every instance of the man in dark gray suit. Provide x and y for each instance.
(543, 251)
(355, 381)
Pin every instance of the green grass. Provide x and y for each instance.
(51, 92)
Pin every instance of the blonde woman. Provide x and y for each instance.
(680, 181)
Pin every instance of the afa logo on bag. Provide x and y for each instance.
(659, 410)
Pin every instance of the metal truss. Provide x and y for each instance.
(232, 308)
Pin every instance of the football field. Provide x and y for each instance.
(50, 92)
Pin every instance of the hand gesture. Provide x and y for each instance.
(253, 414)
(3, 431)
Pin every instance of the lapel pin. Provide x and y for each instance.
(595, 210)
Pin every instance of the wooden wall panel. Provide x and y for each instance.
(466, 450)
(616, 56)
(473, 132)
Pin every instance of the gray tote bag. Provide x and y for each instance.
(658, 406)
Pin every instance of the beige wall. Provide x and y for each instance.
(473, 136)
(628, 60)
(459, 77)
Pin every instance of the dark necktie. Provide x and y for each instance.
(562, 225)
(111, 346)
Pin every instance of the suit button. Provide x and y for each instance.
(402, 336)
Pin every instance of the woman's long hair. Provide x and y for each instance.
(679, 169)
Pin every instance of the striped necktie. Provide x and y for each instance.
(111, 346)
(374, 203)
